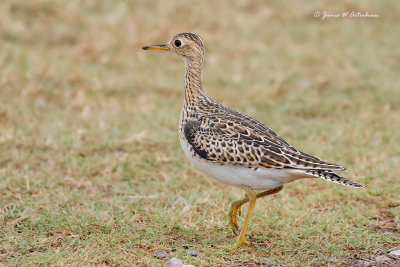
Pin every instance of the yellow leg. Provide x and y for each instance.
(235, 207)
(252, 196)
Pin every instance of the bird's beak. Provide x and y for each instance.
(158, 47)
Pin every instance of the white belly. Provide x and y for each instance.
(256, 179)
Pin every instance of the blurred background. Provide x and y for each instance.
(91, 170)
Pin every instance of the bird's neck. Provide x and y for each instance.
(194, 93)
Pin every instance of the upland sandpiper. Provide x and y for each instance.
(235, 148)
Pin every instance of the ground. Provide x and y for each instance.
(91, 169)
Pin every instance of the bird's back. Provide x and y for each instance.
(219, 135)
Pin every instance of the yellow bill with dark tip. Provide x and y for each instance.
(157, 47)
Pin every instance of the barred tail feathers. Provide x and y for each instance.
(333, 177)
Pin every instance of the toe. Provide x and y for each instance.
(242, 242)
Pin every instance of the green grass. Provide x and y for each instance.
(91, 170)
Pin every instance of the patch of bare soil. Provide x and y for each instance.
(387, 224)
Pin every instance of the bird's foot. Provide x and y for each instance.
(233, 219)
(242, 240)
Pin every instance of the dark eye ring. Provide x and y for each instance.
(177, 43)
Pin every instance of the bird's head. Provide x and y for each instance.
(188, 45)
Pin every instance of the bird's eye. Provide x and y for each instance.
(177, 43)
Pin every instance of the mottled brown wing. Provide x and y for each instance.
(230, 143)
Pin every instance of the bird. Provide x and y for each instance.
(234, 148)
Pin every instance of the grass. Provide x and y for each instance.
(91, 170)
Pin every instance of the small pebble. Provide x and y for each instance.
(362, 263)
(160, 255)
(119, 153)
(381, 258)
(174, 262)
(192, 253)
(395, 253)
